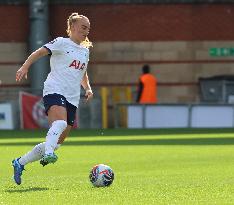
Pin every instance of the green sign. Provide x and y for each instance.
(221, 52)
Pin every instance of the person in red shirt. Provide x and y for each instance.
(147, 88)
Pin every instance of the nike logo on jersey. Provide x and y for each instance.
(77, 65)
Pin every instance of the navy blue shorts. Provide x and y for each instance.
(60, 100)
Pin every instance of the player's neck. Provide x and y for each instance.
(75, 40)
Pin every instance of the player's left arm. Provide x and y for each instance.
(86, 85)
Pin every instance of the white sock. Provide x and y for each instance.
(35, 154)
(53, 135)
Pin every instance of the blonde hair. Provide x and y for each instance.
(74, 17)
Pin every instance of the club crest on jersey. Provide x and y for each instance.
(77, 65)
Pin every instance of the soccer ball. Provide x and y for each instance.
(101, 175)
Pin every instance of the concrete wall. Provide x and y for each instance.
(177, 65)
(11, 57)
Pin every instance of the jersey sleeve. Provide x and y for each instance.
(55, 46)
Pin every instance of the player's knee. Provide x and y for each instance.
(62, 124)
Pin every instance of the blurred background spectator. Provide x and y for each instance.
(147, 88)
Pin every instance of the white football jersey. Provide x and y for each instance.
(68, 64)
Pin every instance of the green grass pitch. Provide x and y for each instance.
(175, 166)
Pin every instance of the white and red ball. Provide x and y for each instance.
(101, 175)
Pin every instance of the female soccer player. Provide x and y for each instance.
(61, 93)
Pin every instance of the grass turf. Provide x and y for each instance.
(176, 166)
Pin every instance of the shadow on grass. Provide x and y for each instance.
(30, 189)
(142, 141)
(5, 134)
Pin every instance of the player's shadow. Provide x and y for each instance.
(29, 189)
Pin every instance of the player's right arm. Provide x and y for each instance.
(23, 71)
